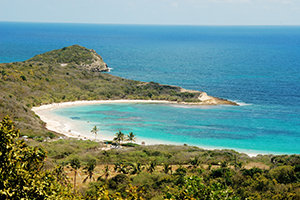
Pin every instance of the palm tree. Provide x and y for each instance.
(75, 164)
(136, 168)
(151, 166)
(119, 137)
(131, 137)
(167, 168)
(106, 172)
(121, 166)
(95, 131)
(195, 162)
(89, 170)
(224, 166)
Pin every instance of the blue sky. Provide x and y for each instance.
(183, 12)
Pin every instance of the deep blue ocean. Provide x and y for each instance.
(257, 66)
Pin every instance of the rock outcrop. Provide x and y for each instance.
(196, 97)
(97, 64)
(209, 100)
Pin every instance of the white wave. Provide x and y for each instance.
(192, 106)
(242, 103)
(181, 106)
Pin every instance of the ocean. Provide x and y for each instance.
(256, 66)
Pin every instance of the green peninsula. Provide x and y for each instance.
(75, 73)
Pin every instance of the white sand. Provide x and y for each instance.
(59, 125)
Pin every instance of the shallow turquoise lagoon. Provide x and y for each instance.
(227, 127)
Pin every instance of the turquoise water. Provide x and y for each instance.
(240, 128)
(256, 66)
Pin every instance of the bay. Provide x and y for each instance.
(257, 66)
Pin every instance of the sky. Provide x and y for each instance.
(170, 12)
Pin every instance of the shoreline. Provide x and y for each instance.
(57, 124)
(53, 124)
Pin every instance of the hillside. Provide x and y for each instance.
(70, 74)
(74, 55)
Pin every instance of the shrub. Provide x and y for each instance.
(130, 145)
(283, 174)
(50, 134)
(23, 78)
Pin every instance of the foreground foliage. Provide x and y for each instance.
(193, 188)
(165, 171)
(21, 174)
(153, 172)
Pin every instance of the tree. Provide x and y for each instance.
(21, 174)
(226, 171)
(61, 175)
(131, 137)
(195, 162)
(121, 166)
(193, 188)
(75, 164)
(136, 168)
(119, 137)
(224, 166)
(283, 174)
(95, 131)
(106, 173)
(89, 170)
(167, 168)
(180, 173)
(151, 166)
(132, 193)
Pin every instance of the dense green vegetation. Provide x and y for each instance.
(74, 54)
(21, 174)
(142, 172)
(42, 80)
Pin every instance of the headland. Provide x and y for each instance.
(75, 73)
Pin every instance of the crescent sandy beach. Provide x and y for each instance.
(66, 127)
(56, 124)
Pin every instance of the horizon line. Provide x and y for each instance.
(149, 24)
